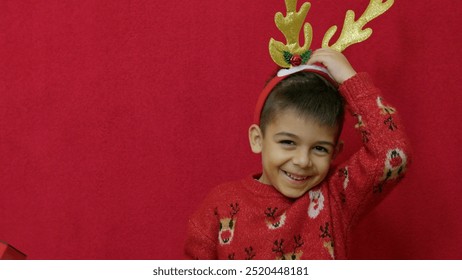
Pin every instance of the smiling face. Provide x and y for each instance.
(296, 152)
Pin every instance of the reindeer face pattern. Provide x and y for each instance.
(277, 222)
(227, 224)
(273, 220)
(316, 203)
(226, 233)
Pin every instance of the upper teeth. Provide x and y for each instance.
(298, 178)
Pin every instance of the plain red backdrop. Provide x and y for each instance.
(117, 117)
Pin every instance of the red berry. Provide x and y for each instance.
(296, 60)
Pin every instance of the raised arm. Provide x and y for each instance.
(364, 180)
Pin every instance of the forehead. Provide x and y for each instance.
(289, 122)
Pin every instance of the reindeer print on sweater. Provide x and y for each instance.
(273, 219)
(227, 224)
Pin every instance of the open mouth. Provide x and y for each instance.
(295, 177)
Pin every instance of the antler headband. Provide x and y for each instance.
(292, 57)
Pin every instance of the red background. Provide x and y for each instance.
(117, 117)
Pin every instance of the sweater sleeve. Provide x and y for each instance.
(201, 240)
(363, 181)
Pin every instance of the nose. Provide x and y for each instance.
(302, 159)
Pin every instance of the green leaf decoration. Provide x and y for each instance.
(306, 56)
(287, 56)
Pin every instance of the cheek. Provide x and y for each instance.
(323, 165)
(274, 156)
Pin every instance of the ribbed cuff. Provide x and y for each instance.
(358, 86)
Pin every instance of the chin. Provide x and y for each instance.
(293, 196)
(296, 194)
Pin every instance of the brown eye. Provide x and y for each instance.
(321, 149)
(287, 143)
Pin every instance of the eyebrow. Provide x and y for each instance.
(287, 134)
(291, 135)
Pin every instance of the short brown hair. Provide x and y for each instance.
(310, 95)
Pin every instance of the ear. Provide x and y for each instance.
(338, 149)
(255, 138)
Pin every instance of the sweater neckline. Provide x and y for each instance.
(260, 189)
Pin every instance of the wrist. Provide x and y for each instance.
(358, 86)
(347, 73)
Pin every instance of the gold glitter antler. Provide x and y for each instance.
(352, 31)
(290, 25)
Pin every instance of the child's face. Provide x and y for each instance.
(296, 153)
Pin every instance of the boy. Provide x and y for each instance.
(300, 207)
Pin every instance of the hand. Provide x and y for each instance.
(335, 62)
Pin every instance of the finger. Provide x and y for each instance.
(318, 57)
(325, 51)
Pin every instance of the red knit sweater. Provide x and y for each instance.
(250, 220)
